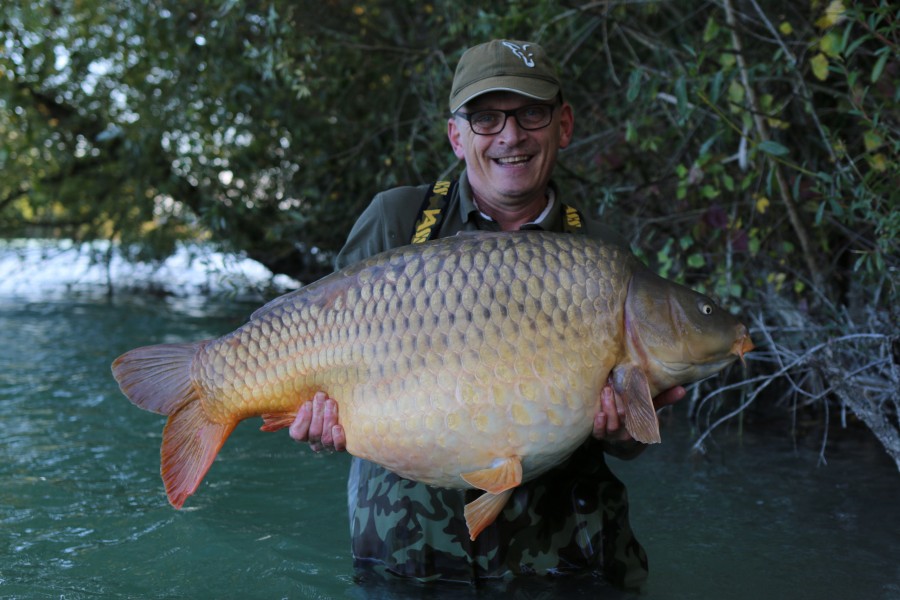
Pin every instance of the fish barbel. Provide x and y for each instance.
(473, 361)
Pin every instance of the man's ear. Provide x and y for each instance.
(566, 124)
(455, 136)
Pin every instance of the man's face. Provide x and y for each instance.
(513, 167)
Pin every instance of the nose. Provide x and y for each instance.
(511, 133)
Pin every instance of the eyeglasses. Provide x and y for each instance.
(492, 122)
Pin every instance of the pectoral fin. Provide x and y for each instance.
(482, 511)
(504, 475)
(630, 383)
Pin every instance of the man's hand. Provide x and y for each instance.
(317, 423)
(609, 422)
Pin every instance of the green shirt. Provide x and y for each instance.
(572, 519)
(389, 219)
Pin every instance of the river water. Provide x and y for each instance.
(83, 512)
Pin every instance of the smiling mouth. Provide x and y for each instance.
(512, 160)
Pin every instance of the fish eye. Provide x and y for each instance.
(705, 308)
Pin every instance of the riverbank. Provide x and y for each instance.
(44, 269)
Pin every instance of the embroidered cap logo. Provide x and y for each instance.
(520, 51)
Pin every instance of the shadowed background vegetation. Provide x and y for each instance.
(746, 147)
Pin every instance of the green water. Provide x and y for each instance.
(83, 514)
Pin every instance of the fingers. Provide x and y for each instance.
(609, 426)
(299, 429)
(610, 418)
(340, 440)
(329, 421)
(317, 423)
(670, 396)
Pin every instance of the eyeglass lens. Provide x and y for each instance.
(531, 117)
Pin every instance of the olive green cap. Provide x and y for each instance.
(503, 66)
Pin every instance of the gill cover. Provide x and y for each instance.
(678, 335)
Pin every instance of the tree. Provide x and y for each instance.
(267, 125)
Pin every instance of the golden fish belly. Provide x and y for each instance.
(443, 359)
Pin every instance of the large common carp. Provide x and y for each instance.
(473, 361)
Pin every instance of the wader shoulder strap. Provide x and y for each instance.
(572, 221)
(431, 213)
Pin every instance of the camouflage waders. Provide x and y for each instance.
(572, 519)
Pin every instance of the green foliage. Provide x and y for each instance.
(267, 126)
(707, 171)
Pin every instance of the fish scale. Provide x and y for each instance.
(409, 366)
(471, 361)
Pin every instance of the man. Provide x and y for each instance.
(508, 122)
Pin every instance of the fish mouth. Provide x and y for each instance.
(741, 346)
(711, 366)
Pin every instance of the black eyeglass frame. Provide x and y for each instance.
(506, 115)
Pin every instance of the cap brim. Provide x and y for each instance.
(531, 88)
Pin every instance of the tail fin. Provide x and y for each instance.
(158, 379)
(190, 445)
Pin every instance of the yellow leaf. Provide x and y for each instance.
(785, 28)
(819, 65)
(840, 148)
(879, 163)
(776, 279)
(834, 14)
(762, 203)
(872, 141)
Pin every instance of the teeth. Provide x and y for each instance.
(511, 160)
